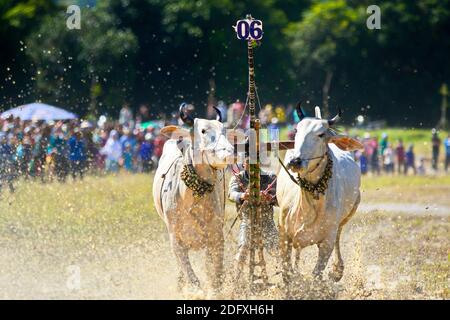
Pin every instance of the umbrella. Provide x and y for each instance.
(39, 111)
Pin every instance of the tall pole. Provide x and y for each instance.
(251, 31)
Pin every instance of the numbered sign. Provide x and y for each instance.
(249, 29)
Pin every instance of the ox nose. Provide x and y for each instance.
(297, 164)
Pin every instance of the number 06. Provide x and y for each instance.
(249, 29)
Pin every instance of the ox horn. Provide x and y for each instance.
(219, 114)
(336, 118)
(185, 117)
(299, 110)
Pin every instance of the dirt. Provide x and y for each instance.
(387, 256)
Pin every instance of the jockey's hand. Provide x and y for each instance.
(265, 196)
(245, 195)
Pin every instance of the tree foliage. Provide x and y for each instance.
(167, 51)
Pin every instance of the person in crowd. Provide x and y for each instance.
(384, 142)
(173, 118)
(158, 145)
(112, 152)
(128, 164)
(374, 158)
(24, 154)
(388, 159)
(421, 168)
(126, 116)
(146, 152)
(435, 146)
(40, 151)
(400, 154)
(265, 115)
(58, 150)
(144, 114)
(236, 116)
(410, 160)
(91, 148)
(447, 152)
(363, 163)
(6, 163)
(77, 154)
(280, 114)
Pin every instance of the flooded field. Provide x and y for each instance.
(102, 239)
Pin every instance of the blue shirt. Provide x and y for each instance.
(146, 151)
(76, 149)
(447, 146)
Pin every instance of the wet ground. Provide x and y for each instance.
(101, 239)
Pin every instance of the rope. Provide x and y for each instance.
(315, 189)
(242, 114)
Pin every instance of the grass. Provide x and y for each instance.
(376, 182)
(109, 209)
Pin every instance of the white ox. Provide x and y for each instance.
(307, 218)
(194, 223)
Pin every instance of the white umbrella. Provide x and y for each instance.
(39, 111)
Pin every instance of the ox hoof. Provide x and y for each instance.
(215, 294)
(317, 275)
(193, 293)
(336, 274)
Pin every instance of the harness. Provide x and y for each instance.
(313, 188)
(193, 181)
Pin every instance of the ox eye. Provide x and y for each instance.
(203, 131)
(321, 135)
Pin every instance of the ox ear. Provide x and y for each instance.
(346, 143)
(175, 132)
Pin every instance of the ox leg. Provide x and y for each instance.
(325, 250)
(181, 280)
(214, 265)
(241, 256)
(181, 253)
(286, 261)
(338, 265)
(239, 267)
(297, 258)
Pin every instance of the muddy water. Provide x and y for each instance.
(387, 256)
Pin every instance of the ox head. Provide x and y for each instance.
(312, 138)
(209, 144)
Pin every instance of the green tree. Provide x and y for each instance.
(91, 67)
(17, 20)
(321, 42)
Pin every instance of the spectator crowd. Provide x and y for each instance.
(49, 150)
(384, 156)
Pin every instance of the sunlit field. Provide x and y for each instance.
(397, 245)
